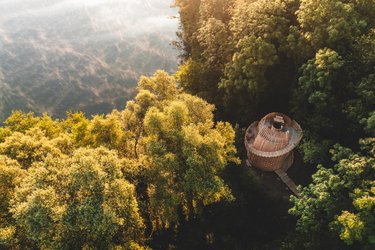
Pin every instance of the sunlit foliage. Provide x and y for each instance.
(340, 202)
(311, 58)
(314, 60)
(78, 201)
(78, 183)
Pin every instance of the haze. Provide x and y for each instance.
(133, 17)
(87, 55)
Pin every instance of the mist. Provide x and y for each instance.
(130, 17)
(87, 55)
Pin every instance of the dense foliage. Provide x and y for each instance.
(313, 60)
(100, 183)
(340, 202)
(161, 172)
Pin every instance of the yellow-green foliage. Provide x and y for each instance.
(326, 22)
(11, 174)
(28, 147)
(21, 122)
(341, 199)
(70, 202)
(184, 153)
(71, 184)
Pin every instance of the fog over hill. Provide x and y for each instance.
(57, 55)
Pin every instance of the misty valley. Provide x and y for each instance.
(80, 55)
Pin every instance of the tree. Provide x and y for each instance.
(249, 57)
(359, 110)
(4, 132)
(334, 91)
(158, 125)
(213, 36)
(21, 122)
(340, 202)
(33, 146)
(218, 9)
(162, 85)
(189, 18)
(315, 104)
(106, 131)
(246, 73)
(152, 92)
(184, 154)
(79, 201)
(77, 125)
(244, 56)
(11, 174)
(50, 127)
(261, 18)
(337, 23)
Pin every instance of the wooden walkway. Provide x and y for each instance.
(285, 178)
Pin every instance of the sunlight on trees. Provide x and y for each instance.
(106, 181)
(340, 201)
(62, 187)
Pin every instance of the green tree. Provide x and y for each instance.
(316, 105)
(244, 56)
(162, 85)
(334, 96)
(217, 9)
(78, 202)
(21, 122)
(246, 73)
(152, 92)
(157, 126)
(50, 127)
(106, 131)
(184, 154)
(327, 23)
(340, 202)
(189, 18)
(4, 132)
(77, 125)
(11, 174)
(359, 110)
(213, 37)
(28, 148)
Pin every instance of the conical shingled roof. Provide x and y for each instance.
(270, 142)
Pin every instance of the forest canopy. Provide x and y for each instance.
(101, 182)
(312, 59)
(164, 164)
(315, 61)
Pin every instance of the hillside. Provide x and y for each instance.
(80, 55)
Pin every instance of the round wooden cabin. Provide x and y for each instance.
(270, 142)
